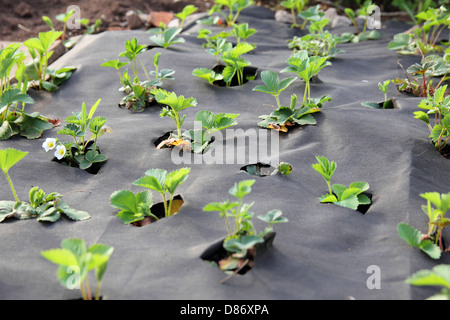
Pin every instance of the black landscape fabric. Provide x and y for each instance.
(324, 252)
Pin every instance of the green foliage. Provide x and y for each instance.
(439, 105)
(138, 93)
(166, 37)
(78, 124)
(306, 67)
(164, 182)
(75, 261)
(207, 74)
(234, 9)
(242, 234)
(351, 197)
(438, 276)
(8, 158)
(133, 207)
(234, 63)
(44, 207)
(311, 15)
(273, 85)
(414, 238)
(242, 32)
(284, 117)
(431, 23)
(37, 70)
(295, 7)
(175, 105)
(186, 12)
(431, 242)
(386, 103)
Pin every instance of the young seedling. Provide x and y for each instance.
(430, 24)
(166, 37)
(164, 183)
(284, 117)
(306, 67)
(210, 123)
(234, 63)
(326, 169)
(8, 158)
(312, 14)
(175, 105)
(273, 85)
(295, 7)
(37, 70)
(75, 257)
(138, 95)
(86, 151)
(242, 235)
(133, 207)
(242, 32)
(234, 9)
(387, 104)
(186, 12)
(432, 242)
(351, 197)
(439, 105)
(47, 208)
(438, 276)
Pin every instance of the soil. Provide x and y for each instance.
(22, 20)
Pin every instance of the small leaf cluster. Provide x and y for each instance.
(438, 276)
(135, 207)
(351, 197)
(138, 92)
(432, 242)
(234, 9)
(37, 70)
(75, 262)
(242, 235)
(45, 207)
(86, 150)
(439, 106)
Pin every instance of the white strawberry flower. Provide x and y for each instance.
(60, 152)
(49, 144)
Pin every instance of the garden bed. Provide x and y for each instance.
(323, 252)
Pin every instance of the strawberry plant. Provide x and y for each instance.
(82, 152)
(295, 7)
(138, 93)
(386, 104)
(431, 23)
(242, 236)
(306, 68)
(175, 104)
(165, 183)
(75, 262)
(133, 207)
(38, 70)
(46, 208)
(365, 9)
(165, 37)
(185, 13)
(438, 276)
(284, 117)
(439, 105)
(431, 242)
(234, 9)
(351, 197)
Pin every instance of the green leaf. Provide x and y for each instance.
(239, 190)
(72, 213)
(175, 178)
(124, 200)
(94, 156)
(154, 179)
(438, 276)
(412, 236)
(63, 257)
(242, 243)
(9, 157)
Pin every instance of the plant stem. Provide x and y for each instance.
(97, 291)
(170, 204)
(83, 293)
(165, 205)
(12, 187)
(88, 290)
